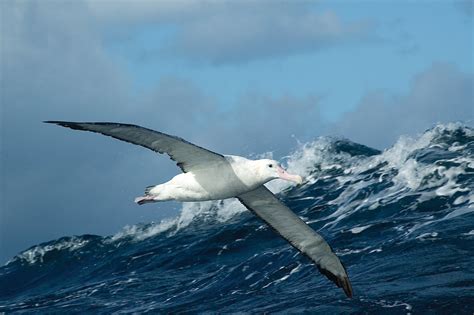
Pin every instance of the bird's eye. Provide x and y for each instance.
(270, 165)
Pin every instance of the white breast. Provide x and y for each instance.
(219, 182)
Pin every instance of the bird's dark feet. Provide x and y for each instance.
(144, 199)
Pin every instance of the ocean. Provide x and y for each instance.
(401, 220)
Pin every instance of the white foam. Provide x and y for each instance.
(412, 174)
(250, 275)
(139, 233)
(359, 229)
(427, 236)
(390, 304)
(220, 211)
(37, 253)
(277, 281)
(425, 180)
(303, 161)
(461, 199)
(377, 250)
(345, 252)
(296, 269)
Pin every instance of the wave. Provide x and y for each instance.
(412, 202)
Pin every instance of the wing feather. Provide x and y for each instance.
(266, 205)
(187, 155)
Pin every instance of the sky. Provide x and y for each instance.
(237, 77)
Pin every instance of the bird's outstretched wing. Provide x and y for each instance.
(187, 155)
(266, 205)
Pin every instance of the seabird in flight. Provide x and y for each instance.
(211, 176)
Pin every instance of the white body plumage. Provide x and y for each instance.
(226, 180)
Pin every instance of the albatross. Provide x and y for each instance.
(207, 175)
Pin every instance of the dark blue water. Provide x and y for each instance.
(402, 222)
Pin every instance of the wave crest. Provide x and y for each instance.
(438, 163)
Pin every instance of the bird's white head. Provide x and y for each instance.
(271, 169)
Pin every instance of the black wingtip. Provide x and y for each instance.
(344, 283)
(57, 122)
(341, 281)
(67, 124)
(346, 286)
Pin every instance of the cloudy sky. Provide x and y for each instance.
(238, 77)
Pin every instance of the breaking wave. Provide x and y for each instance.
(401, 220)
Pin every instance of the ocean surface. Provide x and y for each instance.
(401, 221)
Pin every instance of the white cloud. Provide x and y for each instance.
(241, 34)
(441, 93)
(237, 31)
(143, 11)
